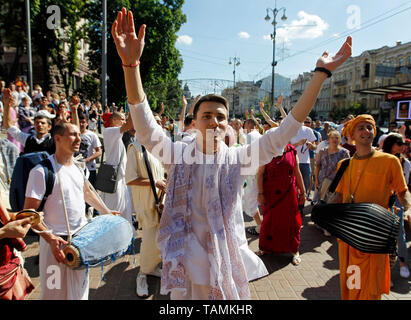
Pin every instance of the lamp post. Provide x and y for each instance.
(236, 62)
(104, 56)
(274, 11)
(29, 53)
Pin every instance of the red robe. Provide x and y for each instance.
(281, 225)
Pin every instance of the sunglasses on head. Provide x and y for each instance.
(400, 143)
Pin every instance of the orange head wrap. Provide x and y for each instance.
(350, 125)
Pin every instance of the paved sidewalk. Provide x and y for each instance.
(316, 278)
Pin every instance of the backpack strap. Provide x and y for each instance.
(49, 179)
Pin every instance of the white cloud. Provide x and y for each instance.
(308, 26)
(243, 35)
(185, 39)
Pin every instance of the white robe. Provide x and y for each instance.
(196, 258)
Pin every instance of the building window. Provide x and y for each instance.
(400, 61)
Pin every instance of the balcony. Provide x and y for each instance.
(340, 96)
(340, 82)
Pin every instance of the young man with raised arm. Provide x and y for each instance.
(197, 233)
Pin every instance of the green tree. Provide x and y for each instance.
(47, 43)
(90, 88)
(161, 62)
(12, 34)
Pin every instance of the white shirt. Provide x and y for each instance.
(89, 141)
(73, 190)
(252, 136)
(114, 149)
(302, 151)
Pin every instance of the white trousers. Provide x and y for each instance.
(59, 282)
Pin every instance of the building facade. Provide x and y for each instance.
(372, 69)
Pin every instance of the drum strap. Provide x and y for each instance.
(64, 202)
(338, 176)
(150, 175)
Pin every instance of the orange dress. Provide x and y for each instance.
(365, 276)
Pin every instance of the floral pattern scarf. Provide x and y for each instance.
(228, 278)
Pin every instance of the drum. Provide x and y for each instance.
(101, 241)
(367, 227)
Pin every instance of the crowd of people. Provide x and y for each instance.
(185, 183)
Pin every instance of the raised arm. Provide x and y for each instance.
(182, 115)
(191, 111)
(74, 105)
(309, 96)
(130, 48)
(7, 100)
(267, 118)
(280, 106)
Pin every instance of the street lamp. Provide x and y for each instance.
(274, 11)
(235, 62)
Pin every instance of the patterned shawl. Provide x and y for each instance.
(228, 278)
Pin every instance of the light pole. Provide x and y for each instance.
(29, 54)
(274, 11)
(236, 62)
(104, 56)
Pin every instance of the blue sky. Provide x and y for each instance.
(219, 29)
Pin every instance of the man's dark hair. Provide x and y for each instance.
(115, 115)
(252, 122)
(188, 120)
(60, 128)
(392, 139)
(82, 116)
(210, 98)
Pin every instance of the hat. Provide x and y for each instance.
(350, 125)
(382, 138)
(45, 114)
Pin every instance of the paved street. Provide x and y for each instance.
(316, 278)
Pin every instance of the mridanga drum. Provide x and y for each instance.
(102, 240)
(368, 227)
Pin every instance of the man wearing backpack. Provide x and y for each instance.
(57, 280)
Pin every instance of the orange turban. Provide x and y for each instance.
(350, 125)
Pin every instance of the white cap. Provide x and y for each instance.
(45, 114)
(381, 139)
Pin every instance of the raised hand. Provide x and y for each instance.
(332, 63)
(129, 46)
(261, 104)
(280, 100)
(184, 101)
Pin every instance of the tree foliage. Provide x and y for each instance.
(12, 33)
(161, 62)
(355, 108)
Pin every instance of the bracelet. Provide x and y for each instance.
(131, 65)
(321, 69)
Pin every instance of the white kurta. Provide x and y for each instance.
(115, 151)
(197, 259)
